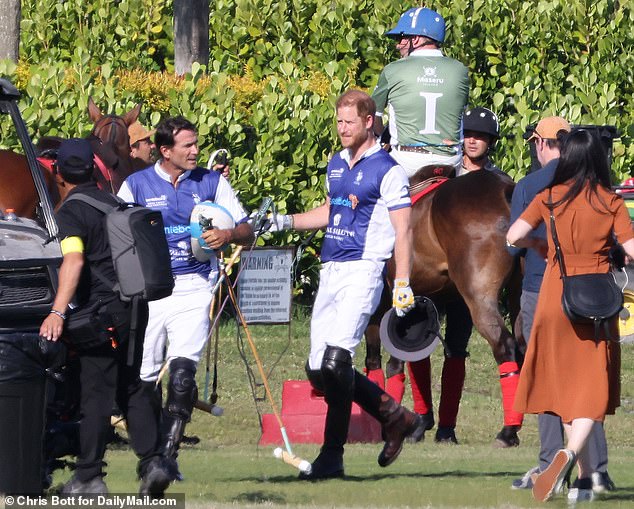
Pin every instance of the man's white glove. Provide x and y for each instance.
(278, 222)
(271, 223)
(402, 297)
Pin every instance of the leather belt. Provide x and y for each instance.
(413, 148)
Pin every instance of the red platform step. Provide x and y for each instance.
(304, 414)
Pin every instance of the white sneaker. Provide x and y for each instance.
(601, 482)
(526, 481)
(580, 495)
(581, 491)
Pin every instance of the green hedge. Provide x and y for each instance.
(276, 68)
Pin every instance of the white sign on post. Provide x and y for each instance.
(264, 285)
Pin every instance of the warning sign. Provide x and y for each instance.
(265, 284)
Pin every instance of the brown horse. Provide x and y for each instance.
(17, 190)
(110, 142)
(112, 131)
(459, 250)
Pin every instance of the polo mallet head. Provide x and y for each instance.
(295, 461)
(218, 157)
(210, 408)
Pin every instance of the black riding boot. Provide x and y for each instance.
(181, 395)
(397, 421)
(337, 375)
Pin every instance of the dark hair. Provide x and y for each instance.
(364, 103)
(556, 143)
(74, 175)
(169, 128)
(582, 162)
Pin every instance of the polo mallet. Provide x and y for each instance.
(287, 455)
(220, 156)
(213, 332)
(208, 353)
(211, 407)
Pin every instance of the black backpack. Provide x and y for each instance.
(140, 254)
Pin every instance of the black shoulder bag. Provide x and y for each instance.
(587, 298)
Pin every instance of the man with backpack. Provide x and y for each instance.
(174, 186)
(109, 367)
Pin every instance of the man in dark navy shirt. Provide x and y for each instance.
(105, 374)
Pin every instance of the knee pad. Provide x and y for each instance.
(182, 392)
(336, 367)
(314, 377)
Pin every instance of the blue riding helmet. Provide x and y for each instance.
(420, 21)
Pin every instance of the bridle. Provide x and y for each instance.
(116, 141)
(116, 125)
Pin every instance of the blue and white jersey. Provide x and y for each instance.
(152, 188)
(361, 197)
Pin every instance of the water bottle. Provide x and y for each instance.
(9, 215)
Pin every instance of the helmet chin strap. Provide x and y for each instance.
(411, 46)
(428, 42)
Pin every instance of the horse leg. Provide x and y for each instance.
(489, 321)
(420, 380)
(395, 371)
(373, 368)
(457, 334)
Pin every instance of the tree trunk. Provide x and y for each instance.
(10, 29)
(191, 34)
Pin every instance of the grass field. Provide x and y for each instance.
(228, 469)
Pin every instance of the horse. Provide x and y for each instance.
(112, 131)
(110, 142)
(459, 235)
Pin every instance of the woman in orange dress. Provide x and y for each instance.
(566, 372)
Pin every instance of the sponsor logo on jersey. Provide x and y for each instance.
(429, 77)
(155, 202)
(336, 173)
(353, 200)
(341, 201)
(338, 233)
(182, 252)
(176, 229)
(359, 178)
(336, 219)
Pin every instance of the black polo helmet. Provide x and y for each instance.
(481, 120)
(412, 337)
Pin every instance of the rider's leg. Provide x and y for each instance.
(458, 331)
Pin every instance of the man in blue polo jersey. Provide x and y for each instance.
(174, 185)
(366, 216)
(425, 94)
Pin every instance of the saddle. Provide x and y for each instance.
(417, 191)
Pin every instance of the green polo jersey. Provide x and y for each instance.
(425, 94)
